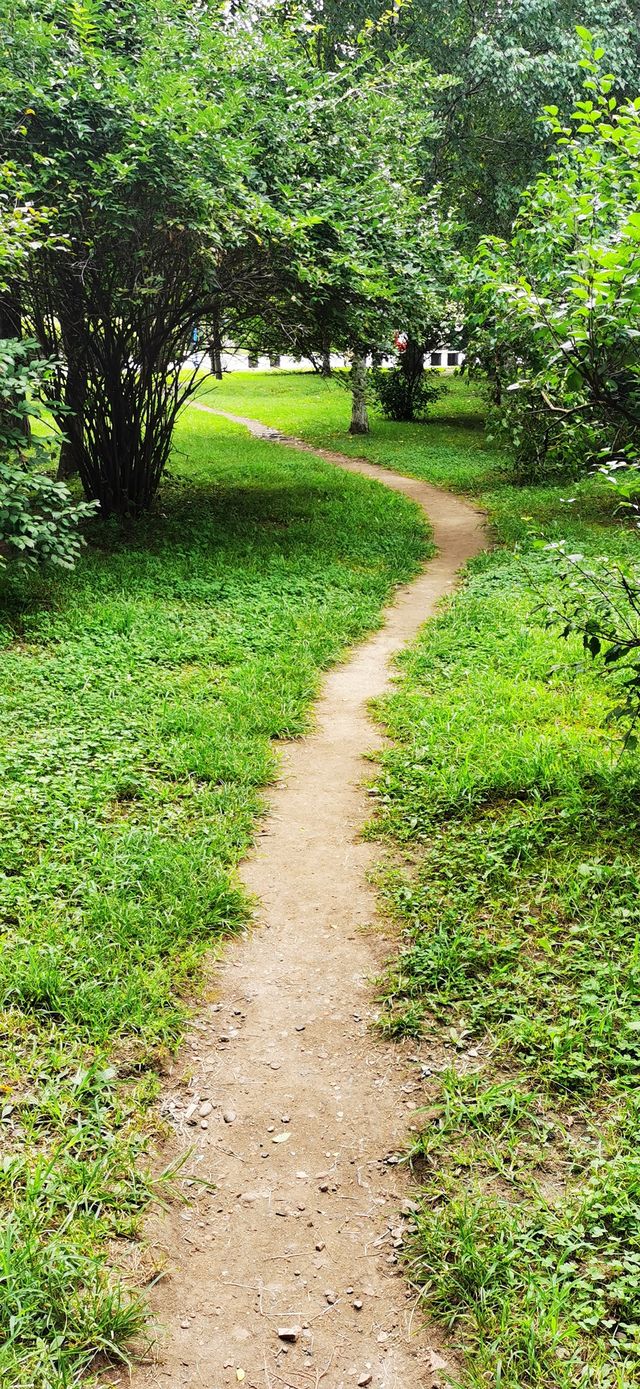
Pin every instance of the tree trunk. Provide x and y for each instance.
(412, 360)
(10, 314)
(325, 369)
(67, 461)
(75, 392)
(359, 414)
(215, 348)
(497, 380)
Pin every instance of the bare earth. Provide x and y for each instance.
(295, 1104)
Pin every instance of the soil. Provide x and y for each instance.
(288, 1273)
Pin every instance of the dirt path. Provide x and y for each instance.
(295, 1103)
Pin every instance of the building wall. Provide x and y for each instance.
(239, 361)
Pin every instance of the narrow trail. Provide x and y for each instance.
(294, 1105)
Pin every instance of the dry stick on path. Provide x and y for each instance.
(312, 1091)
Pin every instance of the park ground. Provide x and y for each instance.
(143, 697)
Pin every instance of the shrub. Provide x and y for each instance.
(405, 396)
(39, 521)
(555, 312)
(600, 603)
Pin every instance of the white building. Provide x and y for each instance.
(237, 360)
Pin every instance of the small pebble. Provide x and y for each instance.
(289, 1333)
(229, 1116)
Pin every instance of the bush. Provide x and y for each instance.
(600, 603)
(39, 521)
(540, 449)
(403, 396)
(555, 312)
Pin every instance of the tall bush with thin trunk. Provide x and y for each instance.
(143, 163)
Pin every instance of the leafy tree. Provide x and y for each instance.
(350, 243)
(506, 62)
(145, 174)
(558, 306)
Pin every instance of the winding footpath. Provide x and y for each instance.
(294, 1105)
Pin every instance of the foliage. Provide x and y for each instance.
(506, 62)
(509, 61)
(21, 227)
(558, 308)
(134, 150)
(38, 520)
(405, 396)
(123, 818)
(600, 602)
(354, 247)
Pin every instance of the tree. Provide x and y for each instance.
(559, 304)
(145, 174)
(350, 240)
(506, 62)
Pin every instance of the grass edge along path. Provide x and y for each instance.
(514, 878)
(141, 699)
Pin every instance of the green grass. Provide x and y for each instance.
(513, 826)
(140, 700)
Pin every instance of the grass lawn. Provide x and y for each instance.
(139, 700)
(513, 824)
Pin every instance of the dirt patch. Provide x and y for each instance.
(294, 1106)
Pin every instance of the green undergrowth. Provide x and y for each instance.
(513, 825)
(140, 700)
